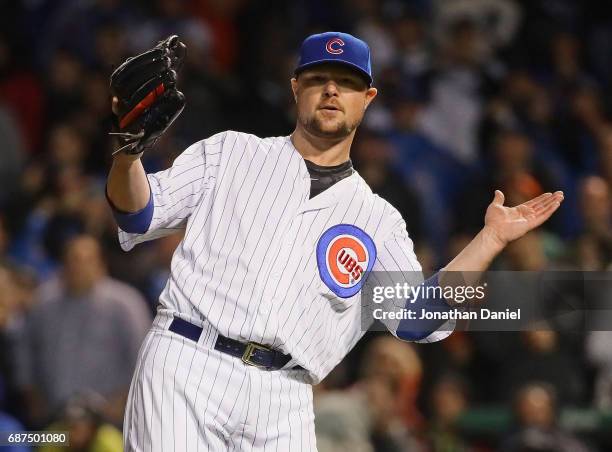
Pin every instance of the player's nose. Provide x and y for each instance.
(330, 88)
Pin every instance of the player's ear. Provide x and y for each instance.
(294, 88)
(370, 95)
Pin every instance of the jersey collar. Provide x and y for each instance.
(332, 196)
(327, 198)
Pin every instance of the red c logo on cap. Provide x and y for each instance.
(330, 46)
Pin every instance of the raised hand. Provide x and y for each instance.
(506, 224)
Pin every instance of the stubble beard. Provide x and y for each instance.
(315, 126)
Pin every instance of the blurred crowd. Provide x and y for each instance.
(474, 95)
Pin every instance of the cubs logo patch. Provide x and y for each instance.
(345, 255)
(334, 45)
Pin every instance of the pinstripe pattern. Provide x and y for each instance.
(233, 407)
(247, 268)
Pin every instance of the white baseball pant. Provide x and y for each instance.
(186, 396)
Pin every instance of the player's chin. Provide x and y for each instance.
(332, 127)
(338, 131)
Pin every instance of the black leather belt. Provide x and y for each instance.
(250, 353)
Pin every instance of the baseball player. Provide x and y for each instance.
(280, 233)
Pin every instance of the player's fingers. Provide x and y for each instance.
(543, 205)
(545, 214)
(115, 105)
(533, 202)
(499, 197)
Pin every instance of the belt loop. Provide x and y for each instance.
(186, 329)
(208, 338)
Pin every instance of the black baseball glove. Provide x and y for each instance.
(148, 101)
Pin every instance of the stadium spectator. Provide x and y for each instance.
(594, 247)
(598, 347)
(537, 424)
(374, 157)
(341, 422)
(456, 91)
(83, 334)
(169, 17)
(22, 95)
(541, 357)
(449, 400)
(428, 170)
(497, 20)
(512, 166)
(83, 420)
(388, 432)
(64, 85)
(16, 293)
(399, 364)
(378, 413)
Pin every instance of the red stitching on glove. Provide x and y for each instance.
(142, 106)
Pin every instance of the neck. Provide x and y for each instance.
(322, 151)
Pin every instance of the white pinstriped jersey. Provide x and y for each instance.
(248, 261)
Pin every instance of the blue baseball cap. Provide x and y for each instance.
(336, 47)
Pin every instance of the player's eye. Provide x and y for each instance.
(351, 82)
(314, 80)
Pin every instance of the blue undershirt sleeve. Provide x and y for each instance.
(418, 329)
(136, 222)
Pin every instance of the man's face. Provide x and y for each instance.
(83, 264)
(331, 100)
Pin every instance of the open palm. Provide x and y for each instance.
(510, 223)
